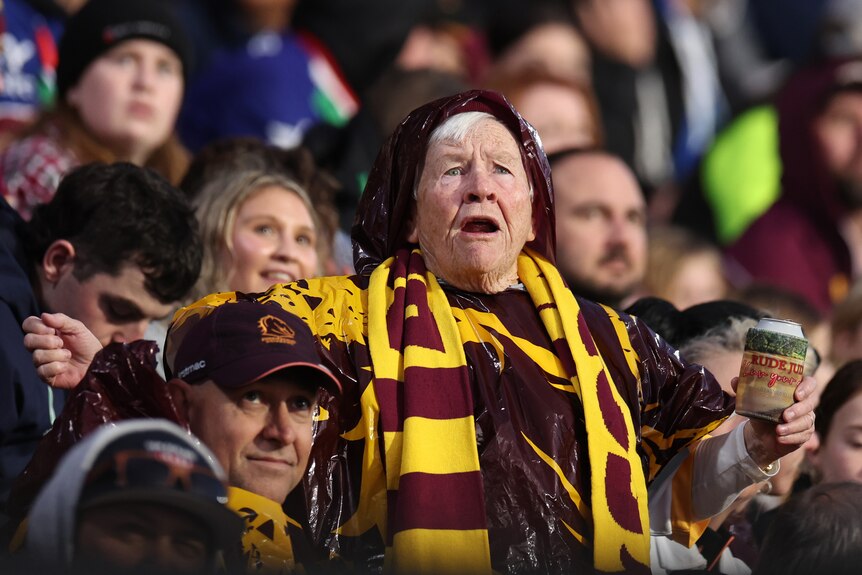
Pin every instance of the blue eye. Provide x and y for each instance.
(453, 172)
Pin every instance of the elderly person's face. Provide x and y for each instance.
(473, 209)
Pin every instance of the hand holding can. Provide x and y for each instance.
(772, 368)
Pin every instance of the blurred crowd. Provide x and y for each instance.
(706, 160)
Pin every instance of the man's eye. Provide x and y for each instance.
(502, 170)
(191, 547)
(303, 404)
(252, 396)
(119, 312)
(454, 172)
(588, 213)
(131, 532)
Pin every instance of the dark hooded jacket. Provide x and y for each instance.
(26, 404)
(797, 243)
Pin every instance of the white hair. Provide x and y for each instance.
(728, 337)
(455, 129)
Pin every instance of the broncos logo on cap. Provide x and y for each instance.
(275, 330)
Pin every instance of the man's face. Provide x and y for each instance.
(260, 433)
(140, 538)
(473, 209)
(114, 308)
(601, 227)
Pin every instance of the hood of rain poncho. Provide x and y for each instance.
(806, 181)
(385, 211)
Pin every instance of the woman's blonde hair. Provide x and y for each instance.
(216, 205)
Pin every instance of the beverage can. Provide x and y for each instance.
(772, 367)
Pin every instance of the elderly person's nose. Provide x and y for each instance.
(479, 188)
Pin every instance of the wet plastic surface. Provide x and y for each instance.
(122, 383)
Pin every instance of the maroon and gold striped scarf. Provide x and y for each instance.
(435, 514)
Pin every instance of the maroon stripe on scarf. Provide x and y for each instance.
(611, 412)
(632, 566)
(389, 393)
(622, 505)
(564, 354)
(420, 329)
(451, 496)
(586, 336)
(435, 393)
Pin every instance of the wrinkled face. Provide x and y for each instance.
(129, 97)
(560, 114)
(260, 433)
(274, 241)
(473, 209)
(114, 308)
(839, 457)
(601, 227)
(140, 538)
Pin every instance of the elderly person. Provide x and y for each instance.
(490, 419)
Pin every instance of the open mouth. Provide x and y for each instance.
(480, 226)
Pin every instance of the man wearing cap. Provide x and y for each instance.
(247, 380)
(138, 496)
(242, 378)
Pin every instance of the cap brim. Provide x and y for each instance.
(225, 526)
(254, 368)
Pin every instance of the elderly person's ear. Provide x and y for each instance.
(412, 228)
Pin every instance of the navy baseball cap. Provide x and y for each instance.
(155, 461)
(241, 342)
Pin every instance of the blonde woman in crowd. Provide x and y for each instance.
(258, 229)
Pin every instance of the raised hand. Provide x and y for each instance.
(62, 347)
(766, 441)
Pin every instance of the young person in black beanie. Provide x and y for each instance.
(120, 81)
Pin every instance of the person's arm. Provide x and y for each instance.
(722, 469)
(62, 347)
(724, 465)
